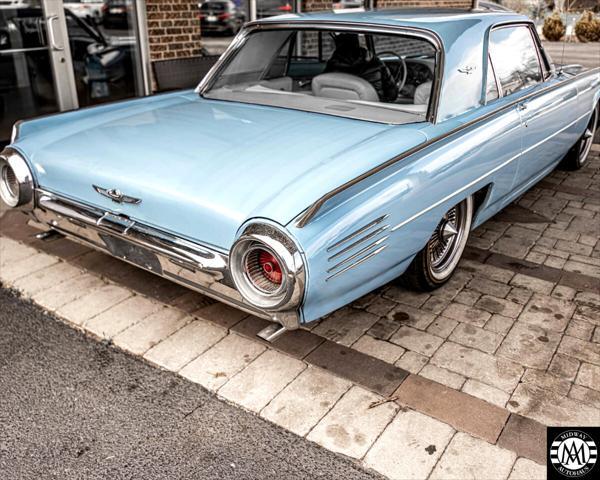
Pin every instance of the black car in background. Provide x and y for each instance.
(222, 16)
(117, 13)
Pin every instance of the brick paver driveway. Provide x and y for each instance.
(422, 385)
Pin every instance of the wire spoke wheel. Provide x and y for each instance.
(587, 139)
(448, 241)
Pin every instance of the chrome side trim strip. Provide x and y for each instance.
(356, 264)
(362, 240)
(313, 209)
(358, 254)
(482, 177)
(357, 232)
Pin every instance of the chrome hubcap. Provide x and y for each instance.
(448, 240)
(587, 139)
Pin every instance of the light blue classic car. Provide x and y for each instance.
(323, 156)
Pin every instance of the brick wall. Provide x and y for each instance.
(313, 5)
(173, 28)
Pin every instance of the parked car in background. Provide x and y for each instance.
(117, 13)
(303, 173)
(90, 10)
(343, 4)
(270, 8)
(222, 16)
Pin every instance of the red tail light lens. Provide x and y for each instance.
(224, 16)
(285, 8)
(264, 270)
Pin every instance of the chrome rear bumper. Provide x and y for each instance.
(198, 267)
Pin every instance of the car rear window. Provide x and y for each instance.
(213, 6)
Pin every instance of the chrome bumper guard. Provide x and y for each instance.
(198, 267)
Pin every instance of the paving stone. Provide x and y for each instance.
(255, 386)
(572, 247)
(564, 293)
(443, 376)
(584, 268)
(525, 469)
(190, 302)
(436, 304)
(586, 395)
(485, 392)
(221, 314)
(462, 411)
(386, 351)
(579, 281)
(351, 427)
(346, 325)
(297, 343)
(365, 370)
(467, 297)
(412, 362)
(380, 306)
(217, 365)
(555, 262)
(580, 329)
(475, 337)
(12, 251)
(185, 345)
(531, 283)
(588, 313)
(95, 302)
(471, 363)
(550, 408)
(12, 271)
(548, 313)
(596, 337)
(525, 437)
(47, 278)
(468, 457)
(499, 324)
(487, 271)
(580, 349)
(589, 376)
(529, 345)
(465, 314)
(564, 367)
(416, 340)
(409, 447)
(405, 296)
(500, 306)
(146, 333)
(300, 405)
(489, 287)
(546, 381)
(519, 295)
(59, 295)
(588, 298)
(442, 326)
(405, 315)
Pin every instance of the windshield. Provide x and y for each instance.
(371, 76)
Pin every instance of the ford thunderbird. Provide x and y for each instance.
(323, 156)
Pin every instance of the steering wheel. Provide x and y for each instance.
(401, 72)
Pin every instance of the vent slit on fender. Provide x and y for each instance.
(356, 233)
(355, 264)
(362, 251)
(360, 241)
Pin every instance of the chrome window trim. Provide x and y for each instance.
(314, 208)
(422, 33)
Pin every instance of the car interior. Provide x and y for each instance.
(392, 71)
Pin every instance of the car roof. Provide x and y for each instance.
(444, 22)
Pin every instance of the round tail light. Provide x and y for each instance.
(16, 183)
(263, 270)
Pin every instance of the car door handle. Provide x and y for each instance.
(521, 107)
(51, 37)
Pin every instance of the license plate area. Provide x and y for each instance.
(140, 256)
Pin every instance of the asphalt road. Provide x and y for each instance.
(71, 407)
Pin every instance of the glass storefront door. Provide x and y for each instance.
(57, 56)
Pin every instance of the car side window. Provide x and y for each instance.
(515, 58)
(491, 87)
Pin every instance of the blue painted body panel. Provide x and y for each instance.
(203, 167)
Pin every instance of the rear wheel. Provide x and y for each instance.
(434, 265)
(577, 156)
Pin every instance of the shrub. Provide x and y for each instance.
(554, 28)
(587, 28)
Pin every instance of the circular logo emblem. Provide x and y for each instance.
(573, 453)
